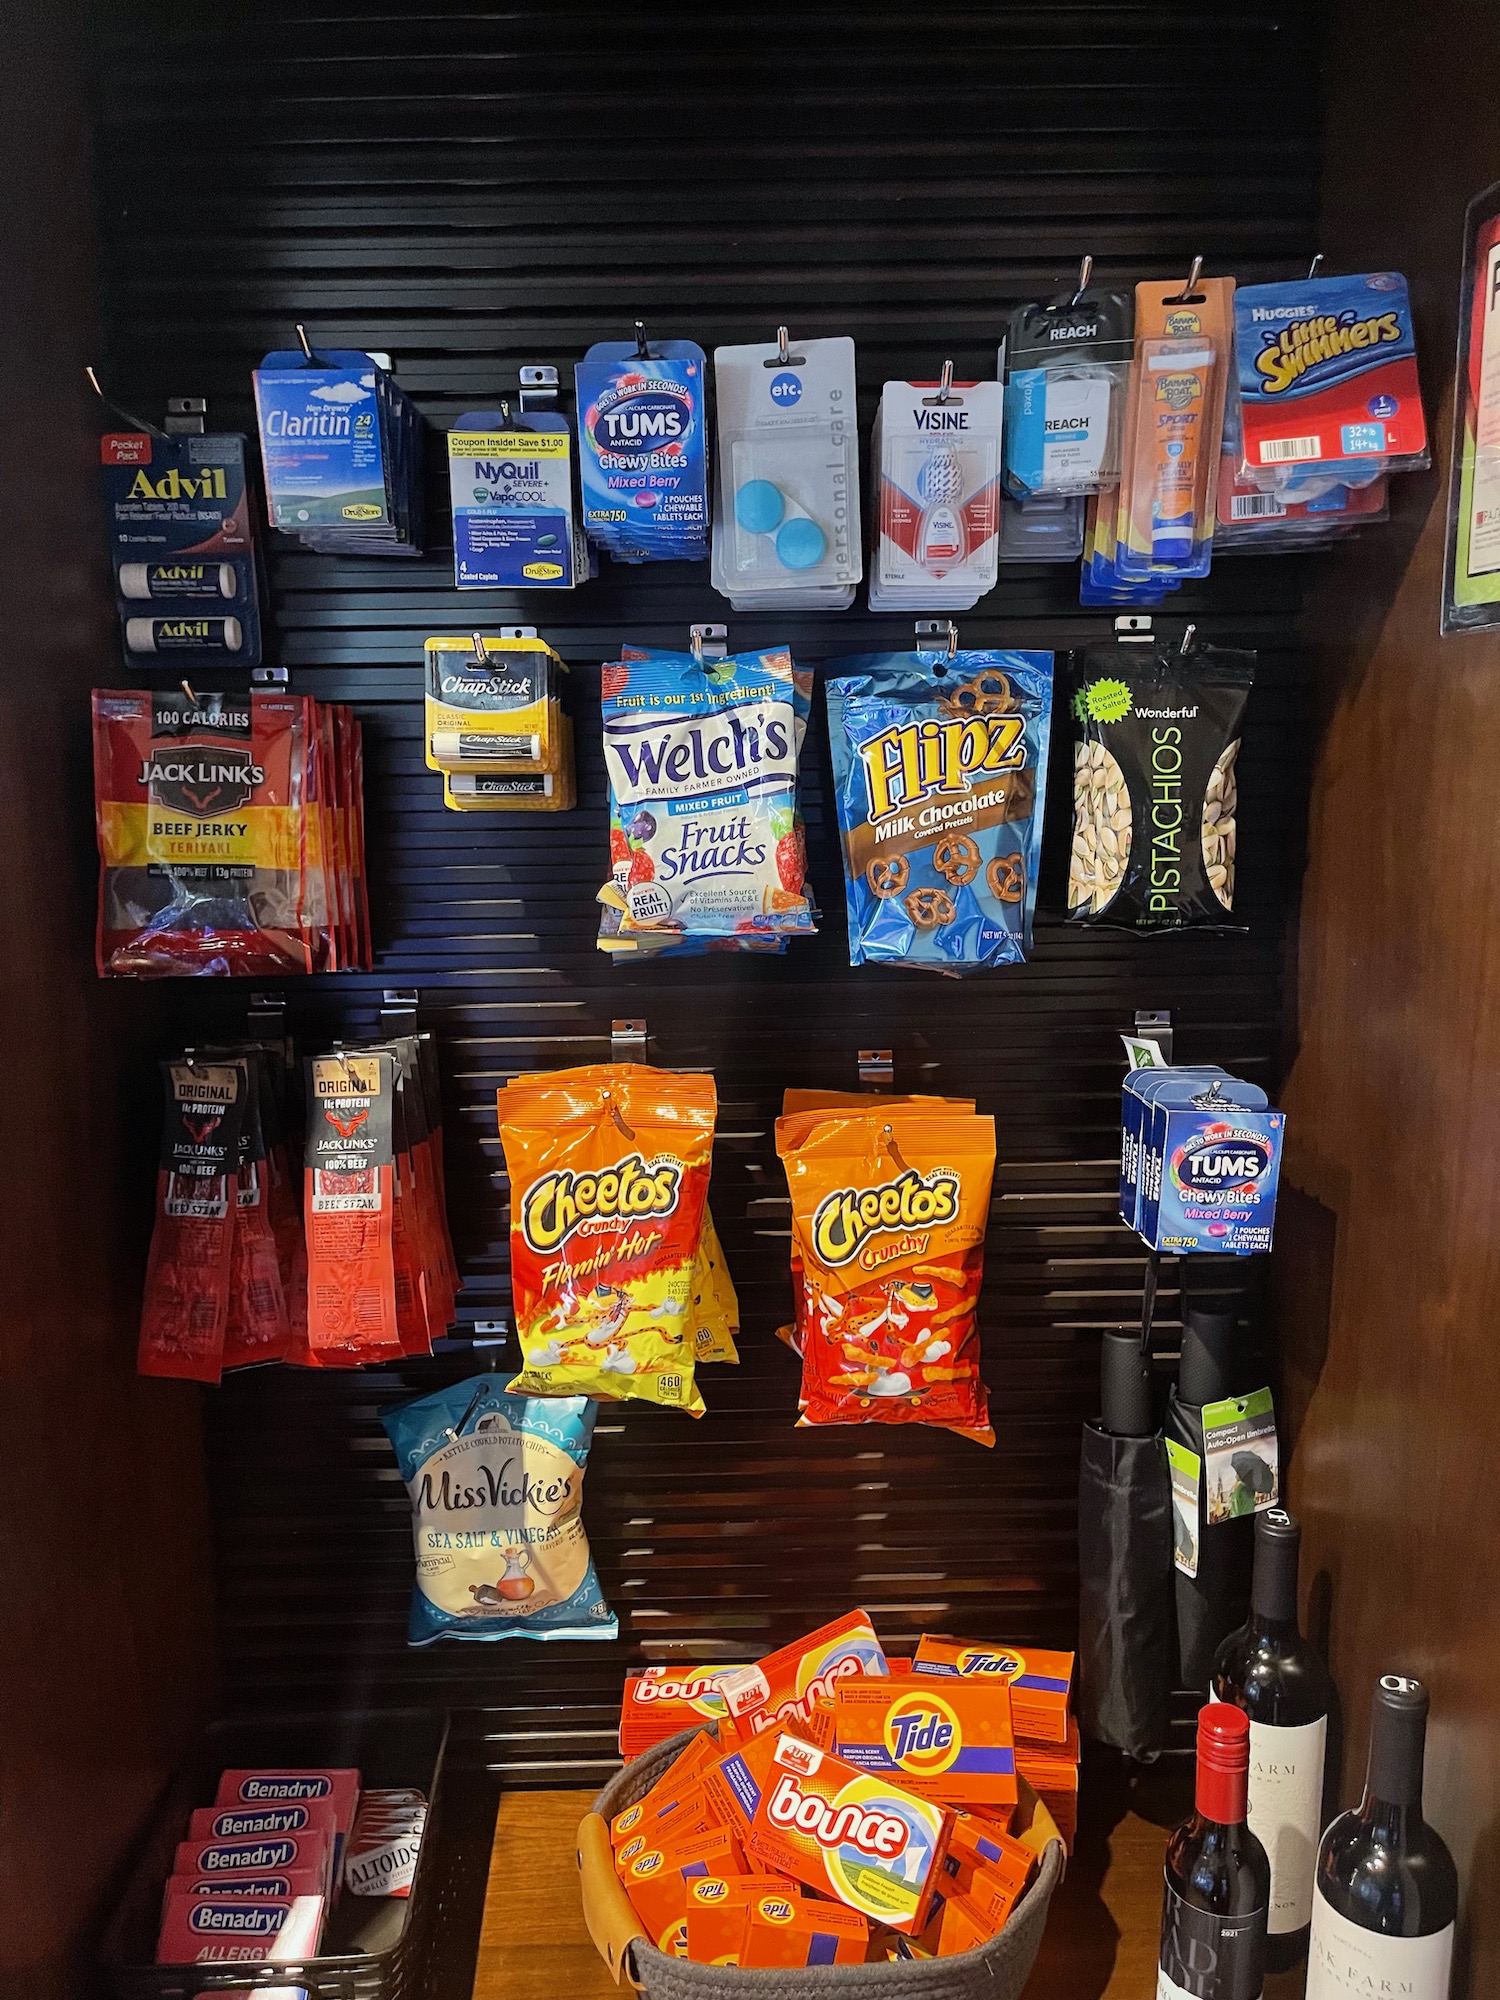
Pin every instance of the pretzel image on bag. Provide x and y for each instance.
(609, 1169)
(888, 1222)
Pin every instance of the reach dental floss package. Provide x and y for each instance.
(182, 546)
(1043, 530)
(342, 449)
(786, 510)
(511, 484)
(1066, 366)
(643, 449)
(936, 454)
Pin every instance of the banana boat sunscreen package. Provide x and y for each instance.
(642, 435)
(860, 1839)
(496, 1486)
(510, 480)
(609, 1169)
(1174, 424)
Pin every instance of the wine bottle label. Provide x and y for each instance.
(1204, 1957)
(1347, 1963)
(1286, 1811)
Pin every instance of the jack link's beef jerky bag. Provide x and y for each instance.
(1155, 798)
(496, 1485)
(185, 1311)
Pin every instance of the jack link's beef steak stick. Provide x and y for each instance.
(185, 1313)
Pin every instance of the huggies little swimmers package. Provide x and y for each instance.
(940, 770)
(786, 512)
(496, 1485)
(643, 452)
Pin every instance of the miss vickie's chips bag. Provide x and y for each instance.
(609, 1168)
(888, 1219)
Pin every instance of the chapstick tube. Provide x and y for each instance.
(178, 579)
(184, 635)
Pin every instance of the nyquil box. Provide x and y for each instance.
(1210, 1162)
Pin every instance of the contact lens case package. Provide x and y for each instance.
(786, 511)
(936, 452)
(1067, 370)
(643, 451)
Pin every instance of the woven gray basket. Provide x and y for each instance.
(997, 1970)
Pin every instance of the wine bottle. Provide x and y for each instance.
(1386, 1891)
(1218, 1880)
(1268, 1669)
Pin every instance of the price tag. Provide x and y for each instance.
(1185, 1468)
(1241, 1461)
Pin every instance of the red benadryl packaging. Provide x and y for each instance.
(264, 1887)
(196, 1930)
(256, 1854)
(277, 1784)
(237, 1822)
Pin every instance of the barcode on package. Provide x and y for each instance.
(1254, 507)
(1277, 451)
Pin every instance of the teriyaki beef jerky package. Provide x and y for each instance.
(1155, 798)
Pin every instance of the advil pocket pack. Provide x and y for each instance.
(845, 1833)
(953, 1744)
(1038, 1681)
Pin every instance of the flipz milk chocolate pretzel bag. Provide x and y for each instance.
(609, 1169)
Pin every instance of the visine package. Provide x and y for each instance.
(496, 1485)
(936, 454)
(342, 449)
(643, 450)
(786, 510)
(510, 481)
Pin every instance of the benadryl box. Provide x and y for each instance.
(511, 486)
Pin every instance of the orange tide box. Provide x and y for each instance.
(849, 1834)
(977, 1844)
(650, 1814)
(951, 1743)
(786, 1686)
(1038, 1682)
(656, 1882)
(661, 1700)
(716, 1913)
(783, 1929)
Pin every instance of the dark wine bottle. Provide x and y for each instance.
(1218, 1880)
(1268, 1669)
(1386, 1891)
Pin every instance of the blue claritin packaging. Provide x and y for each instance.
(496, 1486)
(643, 449)
(342, 449)
(182, 545)
(940, 771)
(510, 480)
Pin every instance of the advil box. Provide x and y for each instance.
(848, 1834)
(1038, 1681)
(200, 1929)
(787, 1686)
(661, 1700)
(954, 1744)
(1328, 370)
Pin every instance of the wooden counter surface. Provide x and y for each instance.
(1101, 1933)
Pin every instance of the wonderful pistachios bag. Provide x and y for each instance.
(1155, 795)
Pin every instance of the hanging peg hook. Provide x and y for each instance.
(481, 652)
(139, 423)
(1085, 272)
(1312, 269)
(1190, 287)
(1187, 638)
(193, 701)
(783, 346)
(945, 384)
(306, 345)
(642, 345)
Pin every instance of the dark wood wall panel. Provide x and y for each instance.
(471, 190)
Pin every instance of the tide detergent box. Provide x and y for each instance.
(666, 1796)
(197, 1930)
(788, 1685)
(717, 1912)
(661, 1700)
(656, 1882)
(845, 1833)
(783, 1929)
(981, 1846)
(954, 1743)
(1210, 1169)
(1038, 1681)
(1328, 372)
(256, 1854)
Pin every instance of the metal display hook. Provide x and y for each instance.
(642, 345)
(137, 423)
(709, 642)
(1085, 272)
(1181, 298)
(943, 629)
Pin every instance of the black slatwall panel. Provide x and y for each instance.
(470, 189)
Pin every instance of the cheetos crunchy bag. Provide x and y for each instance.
(888, 1219)
(608, 1170)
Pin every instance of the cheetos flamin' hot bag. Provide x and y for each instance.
(888, 1223)
(609, 1169)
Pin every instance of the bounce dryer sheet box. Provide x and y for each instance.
(661, 1700)
(1038, 1681)
(952, 1743)
(786, 1686)
(845, 1833)
(198, 1930)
